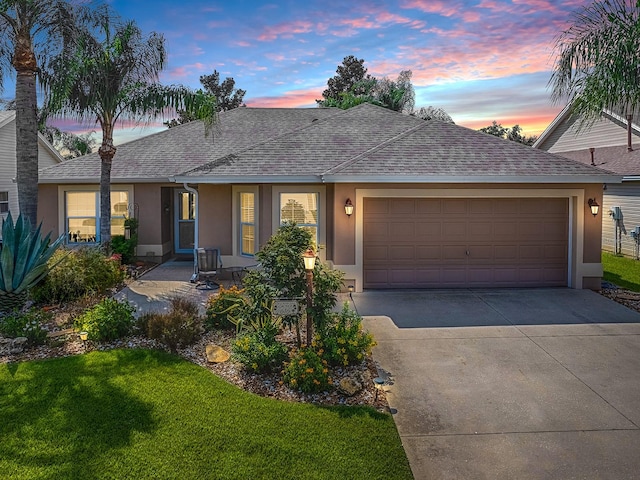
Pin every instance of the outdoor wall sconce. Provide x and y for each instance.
(348, 207)
(593, 205)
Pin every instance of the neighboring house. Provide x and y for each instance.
(47, 156)
(435, 205)
(605, 145)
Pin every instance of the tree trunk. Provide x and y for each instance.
(26, 130)
(106, 151)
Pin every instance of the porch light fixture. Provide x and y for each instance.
(309, 258)
(84, 336)
(348, 207)
(593, 205)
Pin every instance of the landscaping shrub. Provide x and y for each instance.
(108, 320)
(178, 328)
(343, 340)
(126, 247)
(26, 324)
(307, 371)
(223, 306)
(259, 351)
(77, 273)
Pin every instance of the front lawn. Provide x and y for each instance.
(147, 414)
(623, 271)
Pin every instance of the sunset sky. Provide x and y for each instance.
(479, 60)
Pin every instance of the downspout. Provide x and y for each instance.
(196, 231)
(629, 144)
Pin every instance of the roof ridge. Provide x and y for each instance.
(380, 146)
(313, 123)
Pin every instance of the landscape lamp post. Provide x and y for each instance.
(309, 264)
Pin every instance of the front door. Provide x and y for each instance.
(185, 221)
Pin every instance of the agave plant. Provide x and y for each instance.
(23, 260)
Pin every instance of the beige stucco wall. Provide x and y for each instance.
(215, 217)
(48, 209)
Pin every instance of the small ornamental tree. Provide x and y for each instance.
(283, 274)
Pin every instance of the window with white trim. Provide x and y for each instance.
(82, 215)
(302, 209)
(4, 202)
(247, 233)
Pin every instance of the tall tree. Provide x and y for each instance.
(110, 75)
(514, 133)
(433, 113)
(396, 95)
(30, 32)
(351, 77)
(228, 97)
(598, 60)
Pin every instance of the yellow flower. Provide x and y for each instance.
(325, 370)
(316, 381)
(293, 381)
(309, 370)
(254, 365)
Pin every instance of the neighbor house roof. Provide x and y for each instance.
(362, 144)
(8, 116)
(616, 160)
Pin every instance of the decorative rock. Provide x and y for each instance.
(349, 386)
(216, 354)
(12, 345)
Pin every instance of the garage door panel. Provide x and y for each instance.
(481, 231)
(377, 231)
(428, 206)
(428, 252)
(404, 231)
(454, 253)
(402, 206)
(454, 230)
(402, 253)
(429, 231)
(376, 254)
(424, 242)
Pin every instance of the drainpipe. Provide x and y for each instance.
(196, 232)
(591, 150)
(629, 146)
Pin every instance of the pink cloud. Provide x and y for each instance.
(285, 30)
(290, 99)
(184, 71)
(446, 8)
(240, 43)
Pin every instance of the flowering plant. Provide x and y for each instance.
(306, 370)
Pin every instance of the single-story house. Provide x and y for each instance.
(435, 205)
(605, 145)
(47, 156)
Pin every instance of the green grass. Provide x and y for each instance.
(147, 414)
(623, 271)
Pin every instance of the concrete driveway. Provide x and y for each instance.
(501, 384)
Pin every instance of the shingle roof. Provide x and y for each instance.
(612, 159)
(175, 150)
(364, 143)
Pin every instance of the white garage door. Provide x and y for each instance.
(479, 242)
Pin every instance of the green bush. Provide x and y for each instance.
(108, 320)
(307, 371)
(222, 307)
(78, 272)
(26, 324)
(343, 340)
(126, 247)
(178, 328)
(259, 351)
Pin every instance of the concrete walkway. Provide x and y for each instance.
(152, 292)
(511, 384)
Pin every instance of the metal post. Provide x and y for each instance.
(309, 306)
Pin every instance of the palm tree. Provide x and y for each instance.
(598, 60)
(30, 31)
(111, 75)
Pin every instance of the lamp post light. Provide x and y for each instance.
(84, 336)
(309, 264)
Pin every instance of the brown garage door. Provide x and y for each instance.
(479, 242)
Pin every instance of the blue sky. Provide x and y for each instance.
(480, 60)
